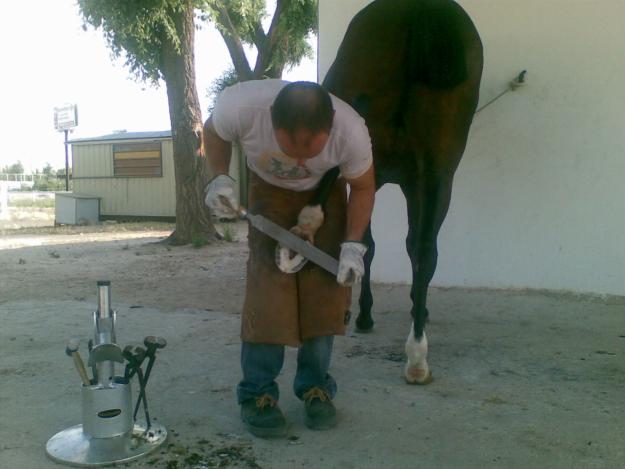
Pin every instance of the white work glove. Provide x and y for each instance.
(351, 264)
(220, 197)
(309, 220)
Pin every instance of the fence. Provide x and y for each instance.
(28, 177)
(15, 181)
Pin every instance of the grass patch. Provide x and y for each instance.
(102, 228)
(228, 233)
(199, 240)
(32, 203)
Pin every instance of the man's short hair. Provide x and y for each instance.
(302, 105)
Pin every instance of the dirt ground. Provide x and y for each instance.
(521, 379)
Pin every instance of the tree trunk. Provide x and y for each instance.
(178, 67)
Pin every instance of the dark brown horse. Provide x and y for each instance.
(412, 69)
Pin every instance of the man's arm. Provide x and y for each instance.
(220, 190)
(360, 205)
(216, 149)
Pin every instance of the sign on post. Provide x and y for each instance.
(65, 117)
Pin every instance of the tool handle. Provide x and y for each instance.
(239, 211)
(80, 367)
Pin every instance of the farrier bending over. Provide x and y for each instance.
(292, 134)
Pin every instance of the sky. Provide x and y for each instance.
(48, 60)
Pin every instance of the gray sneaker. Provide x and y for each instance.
(262, 417)
(320, 412)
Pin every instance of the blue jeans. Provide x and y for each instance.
(261, 364)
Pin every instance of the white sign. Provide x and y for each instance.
(65, 117)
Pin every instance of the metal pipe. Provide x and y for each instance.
(105, 317)
(104, 331)
(104, 298)
(66, 164)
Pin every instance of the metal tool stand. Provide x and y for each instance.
(108, 433)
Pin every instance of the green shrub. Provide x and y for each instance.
(228, 234)
(199, 240)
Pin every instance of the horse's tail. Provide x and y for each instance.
(437, 46)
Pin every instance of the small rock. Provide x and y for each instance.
(294, 440)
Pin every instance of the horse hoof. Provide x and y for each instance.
(364, 327)
(419, 377)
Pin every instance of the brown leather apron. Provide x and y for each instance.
(288, 309)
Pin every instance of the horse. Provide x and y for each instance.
(412, 70)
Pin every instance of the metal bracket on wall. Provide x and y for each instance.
(516, 83)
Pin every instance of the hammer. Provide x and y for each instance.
(72, 351)
(152, 343)
(134, 356)
(94, 369)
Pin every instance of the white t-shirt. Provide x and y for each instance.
(243, 113)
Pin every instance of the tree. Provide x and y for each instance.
(284, 44)
(48, 170)
(156, 38)
(15, 168)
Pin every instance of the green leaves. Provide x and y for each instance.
(283, 44)
(136, 30)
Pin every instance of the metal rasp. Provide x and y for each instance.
(291, 241)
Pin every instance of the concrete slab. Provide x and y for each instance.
(521, 379)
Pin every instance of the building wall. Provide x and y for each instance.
(539, 198)
(92, 167)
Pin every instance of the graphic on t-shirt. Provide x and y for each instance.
(281, 166)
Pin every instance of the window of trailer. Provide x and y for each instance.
(137, 159)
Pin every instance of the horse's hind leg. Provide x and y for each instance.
(427, 200)
(364, 322)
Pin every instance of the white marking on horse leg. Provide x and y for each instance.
(417, 370)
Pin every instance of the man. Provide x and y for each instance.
(292, 134)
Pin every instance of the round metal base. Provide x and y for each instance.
(73, 447)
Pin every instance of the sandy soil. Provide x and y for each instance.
(522, 379)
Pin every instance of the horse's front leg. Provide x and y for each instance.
(364, 321)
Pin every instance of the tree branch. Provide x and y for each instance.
(259, 35)
(234, 45)
(270, 41)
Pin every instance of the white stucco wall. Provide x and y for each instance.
(539, 197)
